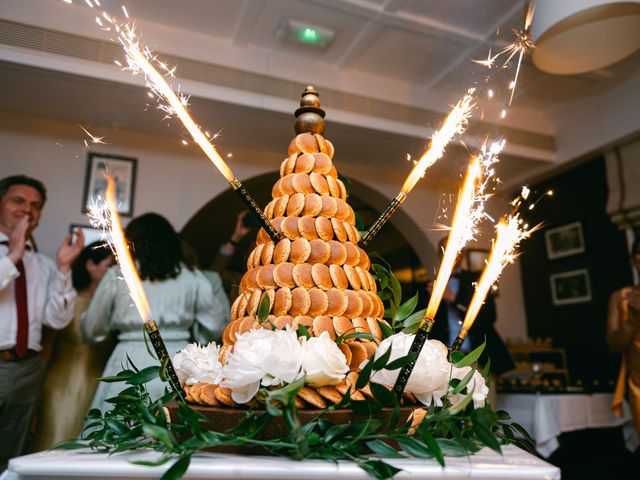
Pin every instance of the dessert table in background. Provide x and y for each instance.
(546, 416)
(81, 464)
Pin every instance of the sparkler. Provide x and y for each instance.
(510, 231)
(522, 43)
(455, 123)
(141, 60)
(468, 213)
(110, 220)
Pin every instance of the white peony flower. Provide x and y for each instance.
(196, 364)
(261, 357)
(430, 376)
(322, 361)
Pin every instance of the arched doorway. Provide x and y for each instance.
(400, 241)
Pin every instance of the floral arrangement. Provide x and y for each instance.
(266, 370)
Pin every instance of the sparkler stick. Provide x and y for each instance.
(455, 123)
(510, 231)
(469, 210)
(134, 285)
(140, 59)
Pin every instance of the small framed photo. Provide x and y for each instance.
(476, 259)
(564, 241)
(570, 287)
(123, 171)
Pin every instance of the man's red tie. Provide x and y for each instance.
(22, 338)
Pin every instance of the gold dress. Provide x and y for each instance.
(629, 376)
(70, 384)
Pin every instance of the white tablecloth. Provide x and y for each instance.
(545, 417)
(486, 464)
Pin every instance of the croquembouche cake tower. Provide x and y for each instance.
(315, 275)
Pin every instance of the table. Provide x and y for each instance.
(545, 417)
(81, 464)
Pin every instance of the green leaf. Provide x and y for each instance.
(414, 447)
(462, 404)
(364, 375)
(381, 361)
(502, 415)
(145, 375)
(472, 356)
(359, 223)
(487, 368)
(486, 437)
(463, 383)
(159, 433)
(263, 308)
(433, 446)
(335, 432)
(70, 445)
(456, 357)
(406, 308)
(402, 361)
(121, 376)
(152, 463)
(178, 469)
(396, 289)
(379, 469)
(383, 449)
(162, 373)
(382, 395)
(521, 430)
(414, 318)
(386, 330)
(303, 331)
(116, 426)
(451, 448)
(365, 407)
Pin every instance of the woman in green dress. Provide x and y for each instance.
(74, 367)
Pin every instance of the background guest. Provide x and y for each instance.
(231, 260)
(452, 310)
(71, 378)
(623, 336)
(34, 291)
(180, 298)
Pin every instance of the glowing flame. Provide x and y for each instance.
(510, 232)
(118, 243)
(455, 123)
(140, 60)
(468, 213)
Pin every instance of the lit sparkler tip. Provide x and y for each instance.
(124, 10)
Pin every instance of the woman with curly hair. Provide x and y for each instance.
(180, 297)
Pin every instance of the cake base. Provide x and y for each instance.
(224, 420)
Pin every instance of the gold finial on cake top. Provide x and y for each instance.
(310, 116)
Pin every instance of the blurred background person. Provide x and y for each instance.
(451, 313)
(180, 297)
(623, 336)
(231, 260)
(75, 366)
(34, 291)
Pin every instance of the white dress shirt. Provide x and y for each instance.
(50, 297)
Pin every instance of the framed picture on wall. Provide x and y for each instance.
(570, 287)
(123, 171)
(564, 241)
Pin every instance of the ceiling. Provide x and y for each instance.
(387, 79)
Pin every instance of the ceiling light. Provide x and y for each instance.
(580, 36)
(304, 33)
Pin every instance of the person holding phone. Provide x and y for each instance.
(231, 260)
(34, 291)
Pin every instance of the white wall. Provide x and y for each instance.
(176, 181)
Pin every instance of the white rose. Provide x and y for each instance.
(261, 357)
(477, 383)
(430, 376)
(322, 361)
(196, 364)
